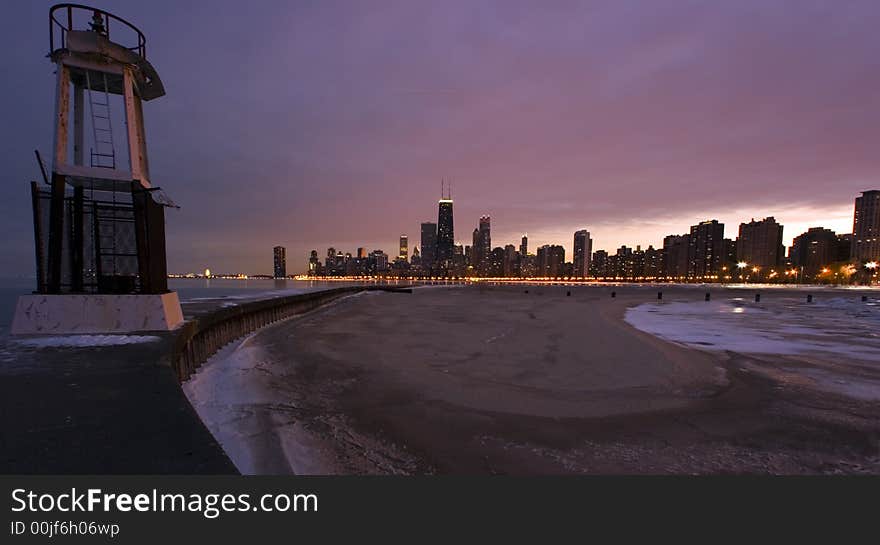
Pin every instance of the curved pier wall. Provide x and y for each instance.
(198, 339)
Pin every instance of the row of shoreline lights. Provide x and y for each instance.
(870, 265)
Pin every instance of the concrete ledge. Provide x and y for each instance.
(39, 314)
(203, 336)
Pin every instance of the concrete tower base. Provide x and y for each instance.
(85, 313)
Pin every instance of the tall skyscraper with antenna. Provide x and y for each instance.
(445, 230)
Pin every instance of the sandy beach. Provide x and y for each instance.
(490, 379)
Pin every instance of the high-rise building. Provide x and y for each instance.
(330, 260)
(429, 245)
(459, 262)
(524, 246)
(729, 260)
(280, 261)
(844, 247)
(814, 250)
(866, 227)
(379, 261)
(583, 250)
(445, 232)
(623, 263)
(528, 266)
(361, 253)
(542, 267)
(599, 264)
(759, 244)
(495, 263)
(403, 254)
(510, 261)
(550, 260)
(706, 250)
(314, 263)
(652, 263)
(350, 265)
(638, 262)
(474, 258)
(675, 256)
(483, 246)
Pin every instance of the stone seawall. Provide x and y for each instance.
(198, 339)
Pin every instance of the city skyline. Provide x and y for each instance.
(787, 236)
(632, 118)
(704, 252)
(764, 236)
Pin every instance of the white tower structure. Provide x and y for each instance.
(99, 220)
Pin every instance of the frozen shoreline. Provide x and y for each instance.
(235, 408)
(491, 379)
(243, 397)
(839, 335)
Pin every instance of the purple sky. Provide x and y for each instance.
(316, 124)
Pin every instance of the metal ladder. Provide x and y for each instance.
(103, 154)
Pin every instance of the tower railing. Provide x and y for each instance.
(62, 19)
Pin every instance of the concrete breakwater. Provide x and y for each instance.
(199, 338)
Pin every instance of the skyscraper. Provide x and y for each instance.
(638, 262)
(866, 227)
(583, 249)
(378, 261)
(524, 246)
(314, 263)
(280, 261)
(475, 250)
(729, 260)
(429, 245)
(550, 260)
(623, 262)
(403, 254)
(510, 261)
(760, 244)
(495, 267)
(599, 264)
(330, 260)
(541, 266)
(844, 247)
(555, 260)
(706, 249)
(814, 250)
(653, 262)
(675, 256)
(416, 259)
(445, 232)
(483, 246)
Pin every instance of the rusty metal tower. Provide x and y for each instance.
(99, 222)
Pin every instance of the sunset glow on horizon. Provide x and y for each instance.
(332, 124)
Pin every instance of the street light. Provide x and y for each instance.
(741, 265)
(872, 267)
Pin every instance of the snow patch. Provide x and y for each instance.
(839, 327)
